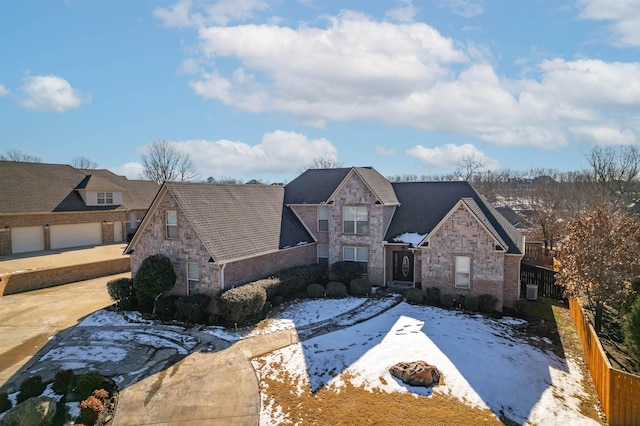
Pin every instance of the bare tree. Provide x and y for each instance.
(599, 258)
(324, 162)
(163, 163)
(83, 163)
(469, 166)
(616, 174)
(16, 155)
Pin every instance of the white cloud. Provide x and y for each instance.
(185, 13)
(50, 93)
(131, 170)
(385, 152)
(464, 8)
(278, 152)
(404, 12)
(449, 156)
(4, 91)
(624, 16)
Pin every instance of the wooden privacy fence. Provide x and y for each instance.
(544, 278)
(619, 392)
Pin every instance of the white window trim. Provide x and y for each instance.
(323, 217)
(463, 284)
(355, 220)
(105, 198)
(191, 279)
(173, 225)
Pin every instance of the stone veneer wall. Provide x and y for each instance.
(463, 235)
(512, 280)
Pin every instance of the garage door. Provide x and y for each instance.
(82, 234)
(27, 238)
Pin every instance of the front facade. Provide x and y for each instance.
(54, 206)
(424, 234)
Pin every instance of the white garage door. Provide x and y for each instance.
(27, 238)
(82, 234)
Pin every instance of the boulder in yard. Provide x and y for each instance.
(416, 373)
(38, 410)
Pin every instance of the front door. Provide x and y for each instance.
(403, 266)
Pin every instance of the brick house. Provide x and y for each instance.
(55, 206)
(423, 234)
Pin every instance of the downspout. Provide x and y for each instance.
(222, 276)
(384, 264)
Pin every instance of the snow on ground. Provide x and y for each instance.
(483, 361)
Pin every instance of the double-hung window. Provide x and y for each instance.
(360, 255)
(172, 224)
(356, 220)
(105, 197)
(193, 278)
(323, 219)
(463, 271)
(323, 255)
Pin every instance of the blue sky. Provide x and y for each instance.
(257, 89)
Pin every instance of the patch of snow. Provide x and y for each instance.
(86, 353)
(412, 238)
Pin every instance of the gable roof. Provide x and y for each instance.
(319, 186)
(46, 188)
(423, 205)
(238, 221)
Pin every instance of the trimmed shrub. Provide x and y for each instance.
(360, 287)
(121, 291)
(487, 303)
(415, 296)
(432, 296)
(166, 307)
(296, 280)
(240, 304)
(471, 303)
(336, 290)
(64, 382)
(88, 382)
(345, 272)
(632, 325)
(192, 308)
(90, 410)
(277, 300)
(447, 300)
(30, 387)
(315, 291)
(5, 402)
(272, 286)
(155, 276)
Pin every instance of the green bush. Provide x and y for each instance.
(240, 304)
(5, 402)
(296, 280)
(192, 309)
(360, 287)
(121, 289)
(345, 272)
(415, 296)
(166, 307)
(315, 291)
(447, 300)
(432, 296)
(487, 303)
(277, 300)
(142, 302)
(30, 387)
(471, 303)
(88, 382)
(632, 325)
(155, 276)
(336, 290)
(64, 382)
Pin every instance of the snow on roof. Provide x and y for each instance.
(412, 238)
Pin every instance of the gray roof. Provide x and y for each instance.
(46, 188)
(424, 204)
(238, 221)
(316, 186)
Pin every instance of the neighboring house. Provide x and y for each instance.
(55, 206)
(426, 234)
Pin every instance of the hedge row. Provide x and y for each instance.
(335, 289)
(484, 303)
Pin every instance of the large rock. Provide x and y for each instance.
(38, 410)
(416, 373)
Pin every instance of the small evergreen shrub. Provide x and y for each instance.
(487, 303)
(90, 410)
(345, 271)
(88, 382)
(315, 291)
(192, 308)
(166, 307)
(239, 304)
(121, 291)
(64, 382)
(447, 300)
(30, 387)
(277, 300)
(155, 276)
(471, 303)
(432, 296)
(5, 402)
(415, 296)
(336, 290)
(632, 326)
(142, 302)
(360, 287)
(296, 280)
